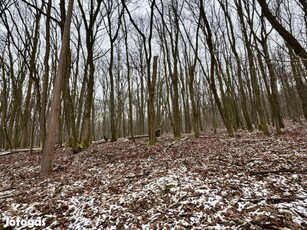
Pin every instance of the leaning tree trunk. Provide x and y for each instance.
(49, 146)
(287, 36)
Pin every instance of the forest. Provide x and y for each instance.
(220, 63)
(212, 88)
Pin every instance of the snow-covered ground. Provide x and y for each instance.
(215, 182)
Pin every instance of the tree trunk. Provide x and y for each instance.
(253, 73)
(195, 117)
(232, 39)
(213, 64)
(300, 86)
(46, 78)
(287, 36)
(130, 112)
(151, 103)
(49, 146)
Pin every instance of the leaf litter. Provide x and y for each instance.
(249, 181)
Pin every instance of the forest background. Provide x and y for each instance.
(137, 66)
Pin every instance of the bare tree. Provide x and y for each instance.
(49, 146)
(213, 64)
(151, 79)
(289, 38)
(293, 43)
(91, 26)
(111, 10)
(191, 63)
(231, 37)
(43, 106)
(252, 69)
(130, 113)
(170, 17)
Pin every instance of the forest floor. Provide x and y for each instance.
(249, 181)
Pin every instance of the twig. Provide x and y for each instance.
(174, 204)
(263, 172)
(164, 211)
(169, 145)
(6, 193)
(263, 225)
(151, 219)
(6, 196)
(174, 142)
(273, 200)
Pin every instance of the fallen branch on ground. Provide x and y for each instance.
(263, 225)
(174, 142)
(165, 211)
(263, 172)
(157, 133)
(138, 137)
(18, 151)
(6, 194)
(39, 149)
(100, 141)
(272, 200)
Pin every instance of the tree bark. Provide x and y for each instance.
(151, 103)
(130, 113)
(46, 78)
(49, 146)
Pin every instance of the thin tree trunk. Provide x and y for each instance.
(253, 74)
(49, 146)
(151, 103)
(130, 113)
(300, 86)
(46, 78)
(211, 78)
